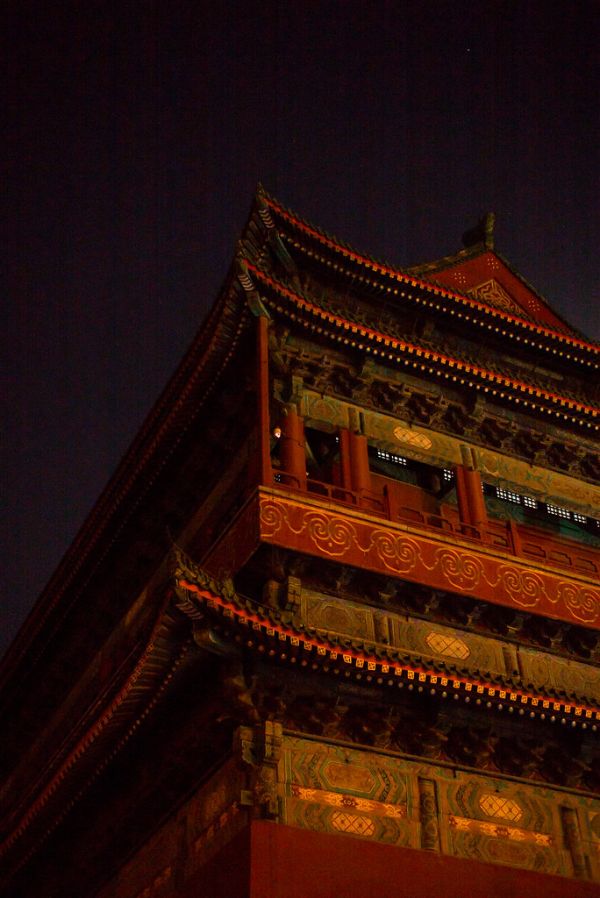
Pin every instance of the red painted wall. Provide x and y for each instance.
(296, 863)
(225, 875)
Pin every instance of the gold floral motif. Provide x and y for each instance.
(459, 569)
(582, 602)
(498, 831)
(271, 518)
(320, 409)
(350, 776)
(412, 437)
(493, 293)
(342, 800)
(398, 553)
(525, 588)
(333, 536)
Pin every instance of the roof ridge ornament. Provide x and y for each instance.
(482, 233)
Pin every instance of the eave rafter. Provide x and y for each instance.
(391, 349)
(263, 630)
(165, 427)
(398, 283)
(85, 755)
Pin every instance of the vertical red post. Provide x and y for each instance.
(264, 430)
(293, 452)
(359, 463)
(475, 497)
(462, 495)
(345, 458)
(515, 537)
(471, 503)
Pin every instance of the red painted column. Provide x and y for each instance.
(359, 463)
(514, 536)
(293, 453)
(264, 431)
(471, 488)
(345, 452)
(462, 495)
(475, 498)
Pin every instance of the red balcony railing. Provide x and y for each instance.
(507, 536)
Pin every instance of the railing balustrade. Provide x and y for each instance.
(510, 537)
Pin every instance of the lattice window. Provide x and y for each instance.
(508, 495)
(391, 457)
(497, 806)
(447, 475)
(558, 511)
(528, 502)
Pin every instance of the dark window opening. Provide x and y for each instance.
(571, 523)
(439, 482)
(322, 455)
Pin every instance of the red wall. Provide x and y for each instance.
(225, 875)
(296, 863)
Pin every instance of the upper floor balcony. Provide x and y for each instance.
(401, 502)
(332, 501)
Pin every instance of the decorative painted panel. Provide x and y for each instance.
(352, 538)
(442, 450)
(332, 615)
(399, 801)
(537, 667)
(331, 789)
(559, 673)
(370, 795)
(347, 618)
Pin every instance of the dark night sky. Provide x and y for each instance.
(137, 132)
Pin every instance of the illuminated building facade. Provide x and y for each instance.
(332, 628)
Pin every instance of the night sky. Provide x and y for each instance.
(137, 132)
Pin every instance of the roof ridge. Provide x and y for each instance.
(542, 298)
(474, 367)
(416, 281)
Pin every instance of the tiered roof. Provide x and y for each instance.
(541, 337)
(117, 612)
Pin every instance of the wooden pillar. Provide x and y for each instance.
(475, 497)
(293, 453)
(469, 490)
(345, 458)
(514, 537)
(359, 463)
(264, 431)
(462, 496)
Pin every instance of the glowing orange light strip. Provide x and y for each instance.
(417, 282)
(411, 348)
(376, 665)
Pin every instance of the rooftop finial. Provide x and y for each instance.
(483, 232)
